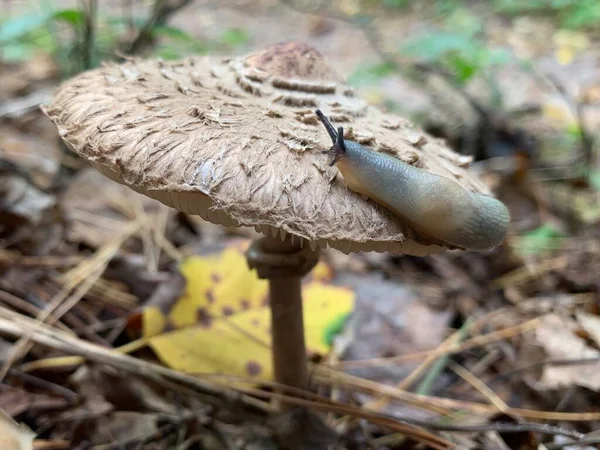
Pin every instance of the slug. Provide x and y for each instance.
(438, 209)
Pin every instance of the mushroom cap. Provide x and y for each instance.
(237, 142)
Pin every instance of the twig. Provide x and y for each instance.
(492, 397)
(577, 107)
(542, 364)
(365, 24)
(162, 10)
(44, 384)
(327, 405)
(8, 257)
(379, 403)
(86, 273)
(330, 405)
(129, 441)
(22, 346)
(440, 363)
(20, 304)
(21, 105)
(89, 32)
(501, 427)
(330, 377)
(476, 341)
(579, 443)
(18, 325)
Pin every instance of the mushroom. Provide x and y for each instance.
(237, 142)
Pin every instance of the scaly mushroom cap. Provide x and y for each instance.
(237, 142)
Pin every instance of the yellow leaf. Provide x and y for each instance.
(223, 319)
(154, 322)
(321, 272)
(323, 305)
(350, 7)
(557, 112)
(565, 55)
(569, 44)
(217, 285)
(218, 348)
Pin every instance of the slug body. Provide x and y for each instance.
(435, 207)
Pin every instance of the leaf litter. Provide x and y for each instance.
(151, 332)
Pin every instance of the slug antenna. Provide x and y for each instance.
(330, 129)
(337, 137)
(340, 144)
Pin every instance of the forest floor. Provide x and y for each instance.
(491, 350)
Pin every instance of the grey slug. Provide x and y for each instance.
(435, 207)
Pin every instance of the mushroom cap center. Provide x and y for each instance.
(292, 60)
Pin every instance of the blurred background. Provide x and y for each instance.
(473, 349)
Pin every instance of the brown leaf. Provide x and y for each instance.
(557, 336)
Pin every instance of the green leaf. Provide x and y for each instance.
(174, 33)
(167, 53)
(594, 179)
(370, 73)
(16, 52)
(462, 68)
(334, 328)
(235, 37)
(587, 14)
(396, 3)
(74, 17)
(19, 27)
(432, 46)
(545, 237)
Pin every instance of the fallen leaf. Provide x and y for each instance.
(15, 401)
(14, 436)
(124, 425)
(557, 336)
(28, 214)
(590, 324)
(222, 321)
(569, 44)
(389, 319)
(558, 112)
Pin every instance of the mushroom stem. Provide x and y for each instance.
(284, 263)
(287, 329)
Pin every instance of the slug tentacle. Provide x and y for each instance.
(437, 208)
(339, 146)
(330, 129)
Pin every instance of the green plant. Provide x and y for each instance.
(568, 13)
(461, 55)
(21, 37)
(368, 74)
(79, 39)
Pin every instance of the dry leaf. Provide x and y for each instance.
(14, 436)
(557, 336)
(590, 323)
(569, 44)
(124, 425)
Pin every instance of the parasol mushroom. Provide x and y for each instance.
(238, 142)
